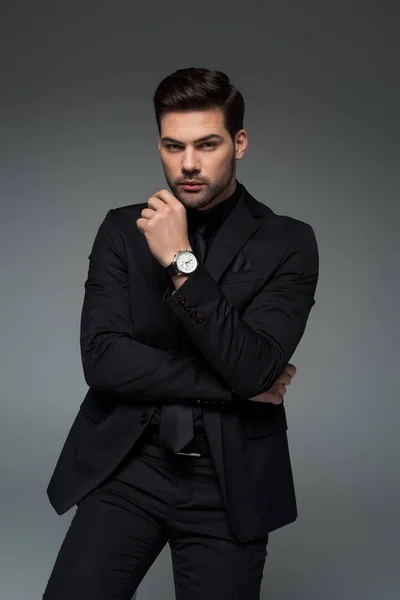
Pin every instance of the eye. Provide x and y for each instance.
(172, 146)
(209, 144)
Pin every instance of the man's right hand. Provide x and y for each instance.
(275, 393)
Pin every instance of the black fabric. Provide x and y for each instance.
(153, 499)
(177, 420)
(203, 226)
(141, 348)
(213, 218)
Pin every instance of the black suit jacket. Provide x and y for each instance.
(240, 317)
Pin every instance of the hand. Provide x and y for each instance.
(275, 393)
(165, 226)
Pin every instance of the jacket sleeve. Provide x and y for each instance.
(113, 361)
(251, 350)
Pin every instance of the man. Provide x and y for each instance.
(195, 301)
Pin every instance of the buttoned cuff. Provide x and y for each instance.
(197, 291)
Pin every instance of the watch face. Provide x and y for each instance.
(186, 262)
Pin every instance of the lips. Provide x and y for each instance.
(192, 186)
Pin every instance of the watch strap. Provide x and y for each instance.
(171, 270)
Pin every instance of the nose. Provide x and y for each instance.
(190, 161)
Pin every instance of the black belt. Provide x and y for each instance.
(198, 446)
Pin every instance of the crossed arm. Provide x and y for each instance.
(263, 338)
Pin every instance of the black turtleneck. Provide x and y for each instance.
(215, 216)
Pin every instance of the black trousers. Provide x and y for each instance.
(119, 529)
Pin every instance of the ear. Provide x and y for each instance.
(241, 144)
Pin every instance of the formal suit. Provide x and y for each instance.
(224, 336)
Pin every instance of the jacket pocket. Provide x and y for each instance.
(239, 276)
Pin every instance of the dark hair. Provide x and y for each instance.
(200, 89)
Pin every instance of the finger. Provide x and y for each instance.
(268, 397)
(155, 203)
(148, 213)
(278, 388)
(284, 378)
(141, 224)
(273, 399)
(290, 370)
(166, 197)
(265, 398)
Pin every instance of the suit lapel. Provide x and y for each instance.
(239, 226)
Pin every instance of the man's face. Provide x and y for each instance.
(187, 157)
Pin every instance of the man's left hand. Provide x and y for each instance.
(164, 225)
(275, 393)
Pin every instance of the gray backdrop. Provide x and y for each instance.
(78, 137)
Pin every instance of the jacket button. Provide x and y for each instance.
(143, 419)
(193, 312)
(199, 318)
(182, 300)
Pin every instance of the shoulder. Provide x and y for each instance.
(128, 213)
(122, 218)
(277, 224)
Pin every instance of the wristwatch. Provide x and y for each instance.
(184, 263)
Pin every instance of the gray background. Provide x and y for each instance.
(78, 137)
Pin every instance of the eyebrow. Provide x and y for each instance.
(202, 139)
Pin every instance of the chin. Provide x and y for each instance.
(190, 200)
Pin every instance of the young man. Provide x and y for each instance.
(195, 301)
